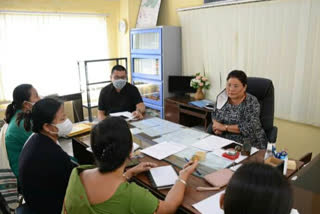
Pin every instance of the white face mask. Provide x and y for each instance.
(64, 128)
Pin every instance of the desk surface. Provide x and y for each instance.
(191, 195)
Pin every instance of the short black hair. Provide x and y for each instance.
(258, 188)
(44, 111)
(240, 75)
(111, 143)
(118, 68)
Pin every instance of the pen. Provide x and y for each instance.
(186, 159)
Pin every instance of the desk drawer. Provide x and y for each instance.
(172, 112)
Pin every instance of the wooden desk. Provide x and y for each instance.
(178, 110)
(191, 195)
(306, 189)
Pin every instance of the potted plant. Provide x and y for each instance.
(199, 82)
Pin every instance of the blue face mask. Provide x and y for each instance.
(119, 84)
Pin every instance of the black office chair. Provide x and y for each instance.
(263, 90)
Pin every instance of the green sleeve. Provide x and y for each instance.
(143, 201)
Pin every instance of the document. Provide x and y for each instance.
(184, 136)
(216, 162)
(163, 176)
(135, 147)
(163, 150)
(147, 123)
(124, 114)
(135, 131)
(211, 143)
(210, 205)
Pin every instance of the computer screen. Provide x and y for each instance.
(180, 84)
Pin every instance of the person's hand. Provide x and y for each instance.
(217, 132)
(137, 114)
(188, 169)
(141, 167)
(218, 126)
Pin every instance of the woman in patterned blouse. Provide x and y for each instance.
(239, 118)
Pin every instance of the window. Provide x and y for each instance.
(43, 50)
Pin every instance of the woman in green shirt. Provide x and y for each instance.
(105, 189)
(24, 96)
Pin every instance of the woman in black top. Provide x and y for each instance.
(44, 167)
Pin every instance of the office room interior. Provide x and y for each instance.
(276, 39)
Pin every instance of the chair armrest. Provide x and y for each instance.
(209, 129)
(272, 134)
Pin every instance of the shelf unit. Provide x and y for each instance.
(155, 54)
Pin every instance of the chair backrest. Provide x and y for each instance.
(263, 90)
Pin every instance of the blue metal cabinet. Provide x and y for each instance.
(155, 55)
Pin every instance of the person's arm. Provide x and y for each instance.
(175, 196)
(102, 105)
(140, 110)
(101, 115)
(219, 128)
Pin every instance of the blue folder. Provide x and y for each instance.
(201, 103)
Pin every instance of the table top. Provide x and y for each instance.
(192, 196)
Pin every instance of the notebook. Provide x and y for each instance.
(163, 177)
(219, 178)
(79, 128)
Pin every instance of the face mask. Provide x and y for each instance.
(119, 84)
(64, 128)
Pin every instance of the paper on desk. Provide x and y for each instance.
(164, 175)
(147, 123)
(135, 146)
(135, 130)
(184, 136)
(211, 143)
(242, 157)
(236, 167)
(210, 205)
(163, 150)
(125, 114)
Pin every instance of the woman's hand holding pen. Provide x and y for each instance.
(188, 169)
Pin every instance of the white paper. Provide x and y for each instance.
(294, 211)
(163, 150)
(128, 115)
(211, 143)
(210, 205)
(164, 175)
(236, 167)
(242, 157)
(135, 131)
(222, 99)
(135, 146)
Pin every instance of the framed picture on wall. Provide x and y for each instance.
(148, 13)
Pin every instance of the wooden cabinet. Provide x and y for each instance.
(178, 110)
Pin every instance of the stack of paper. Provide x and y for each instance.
(210, 205)
(163, 150)
(79, 128)
(163, 176)
(211, 143)
(124, 114)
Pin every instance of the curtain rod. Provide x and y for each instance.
(53, 13)
(219, 4)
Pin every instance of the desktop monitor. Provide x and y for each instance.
(180, 85)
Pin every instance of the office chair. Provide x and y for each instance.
(263, 90)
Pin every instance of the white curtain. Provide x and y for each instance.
(43, 50)
(277, 39)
